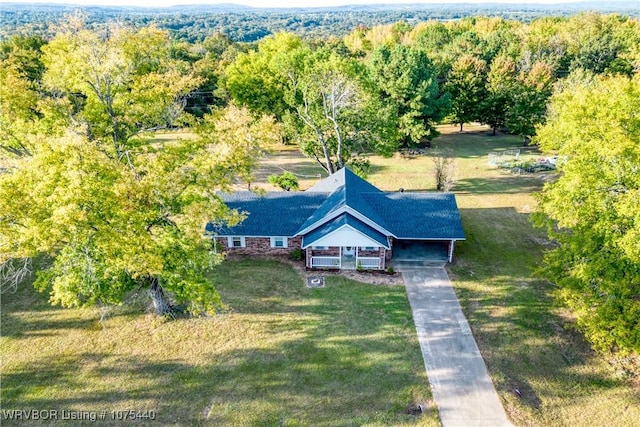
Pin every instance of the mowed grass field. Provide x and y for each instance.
(343, 355)
(282, 354)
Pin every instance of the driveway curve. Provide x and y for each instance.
(461, 386)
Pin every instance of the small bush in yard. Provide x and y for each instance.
(296, 255)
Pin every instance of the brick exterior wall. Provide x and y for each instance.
(259, 246)
(330, 251)
(369, 254)
(262, 246)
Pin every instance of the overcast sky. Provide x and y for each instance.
(277, 3)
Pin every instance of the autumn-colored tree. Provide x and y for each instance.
(112, 209)
(500, 93)
(592, 209)
(531, 93)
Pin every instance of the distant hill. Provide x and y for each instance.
(631, 6)
(247, 24)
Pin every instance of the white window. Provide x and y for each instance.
(278, 242)
(320, 248)
(369, 248)
(236, 242)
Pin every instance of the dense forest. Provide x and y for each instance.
(245, 24)
(80, 104)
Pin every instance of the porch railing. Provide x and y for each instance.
(368, 262)
(325, 261)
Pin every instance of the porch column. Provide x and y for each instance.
(451, 251)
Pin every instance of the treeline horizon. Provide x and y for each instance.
(193, 23)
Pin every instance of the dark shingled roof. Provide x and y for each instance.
(342, 220)
(408, 215)
(419, 215)
(346, 190)
(271, 214)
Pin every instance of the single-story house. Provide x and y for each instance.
(342, 222)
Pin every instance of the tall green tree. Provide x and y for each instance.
(255, 79)
(500, 91)
(321, 97)
(592, 209)
(334, 114)
(405, 79)
(466, 84)
(532, 90)
(111, 209)
(598, 42)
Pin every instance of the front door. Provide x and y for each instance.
(349, 251)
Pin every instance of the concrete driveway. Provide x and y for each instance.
(458, 376)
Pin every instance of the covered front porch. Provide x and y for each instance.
(346, 257)
(346, 243)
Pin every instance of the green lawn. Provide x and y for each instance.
(527, 342)
(343, 355)
(282, 355)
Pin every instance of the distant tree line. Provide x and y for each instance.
(245, 24)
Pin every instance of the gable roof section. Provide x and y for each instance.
(343, 178)
(347, 191)
(345, 200)
(272, 214)
(344, 220)
(424, 216)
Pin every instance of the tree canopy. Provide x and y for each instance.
(322, 98)
(406, 81)
(592, 209)
(85, 185)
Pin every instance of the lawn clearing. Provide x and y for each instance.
(544, 371)
(345, 354)
(284, 354)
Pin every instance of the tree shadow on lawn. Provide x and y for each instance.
(534, 354)
(313, 381)
(347, 352)
(532, 351)
(310, 170)
(476, 144)
(357, 353)
(42, 323)
(63, 382)
(27, 313)
(317, 380)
